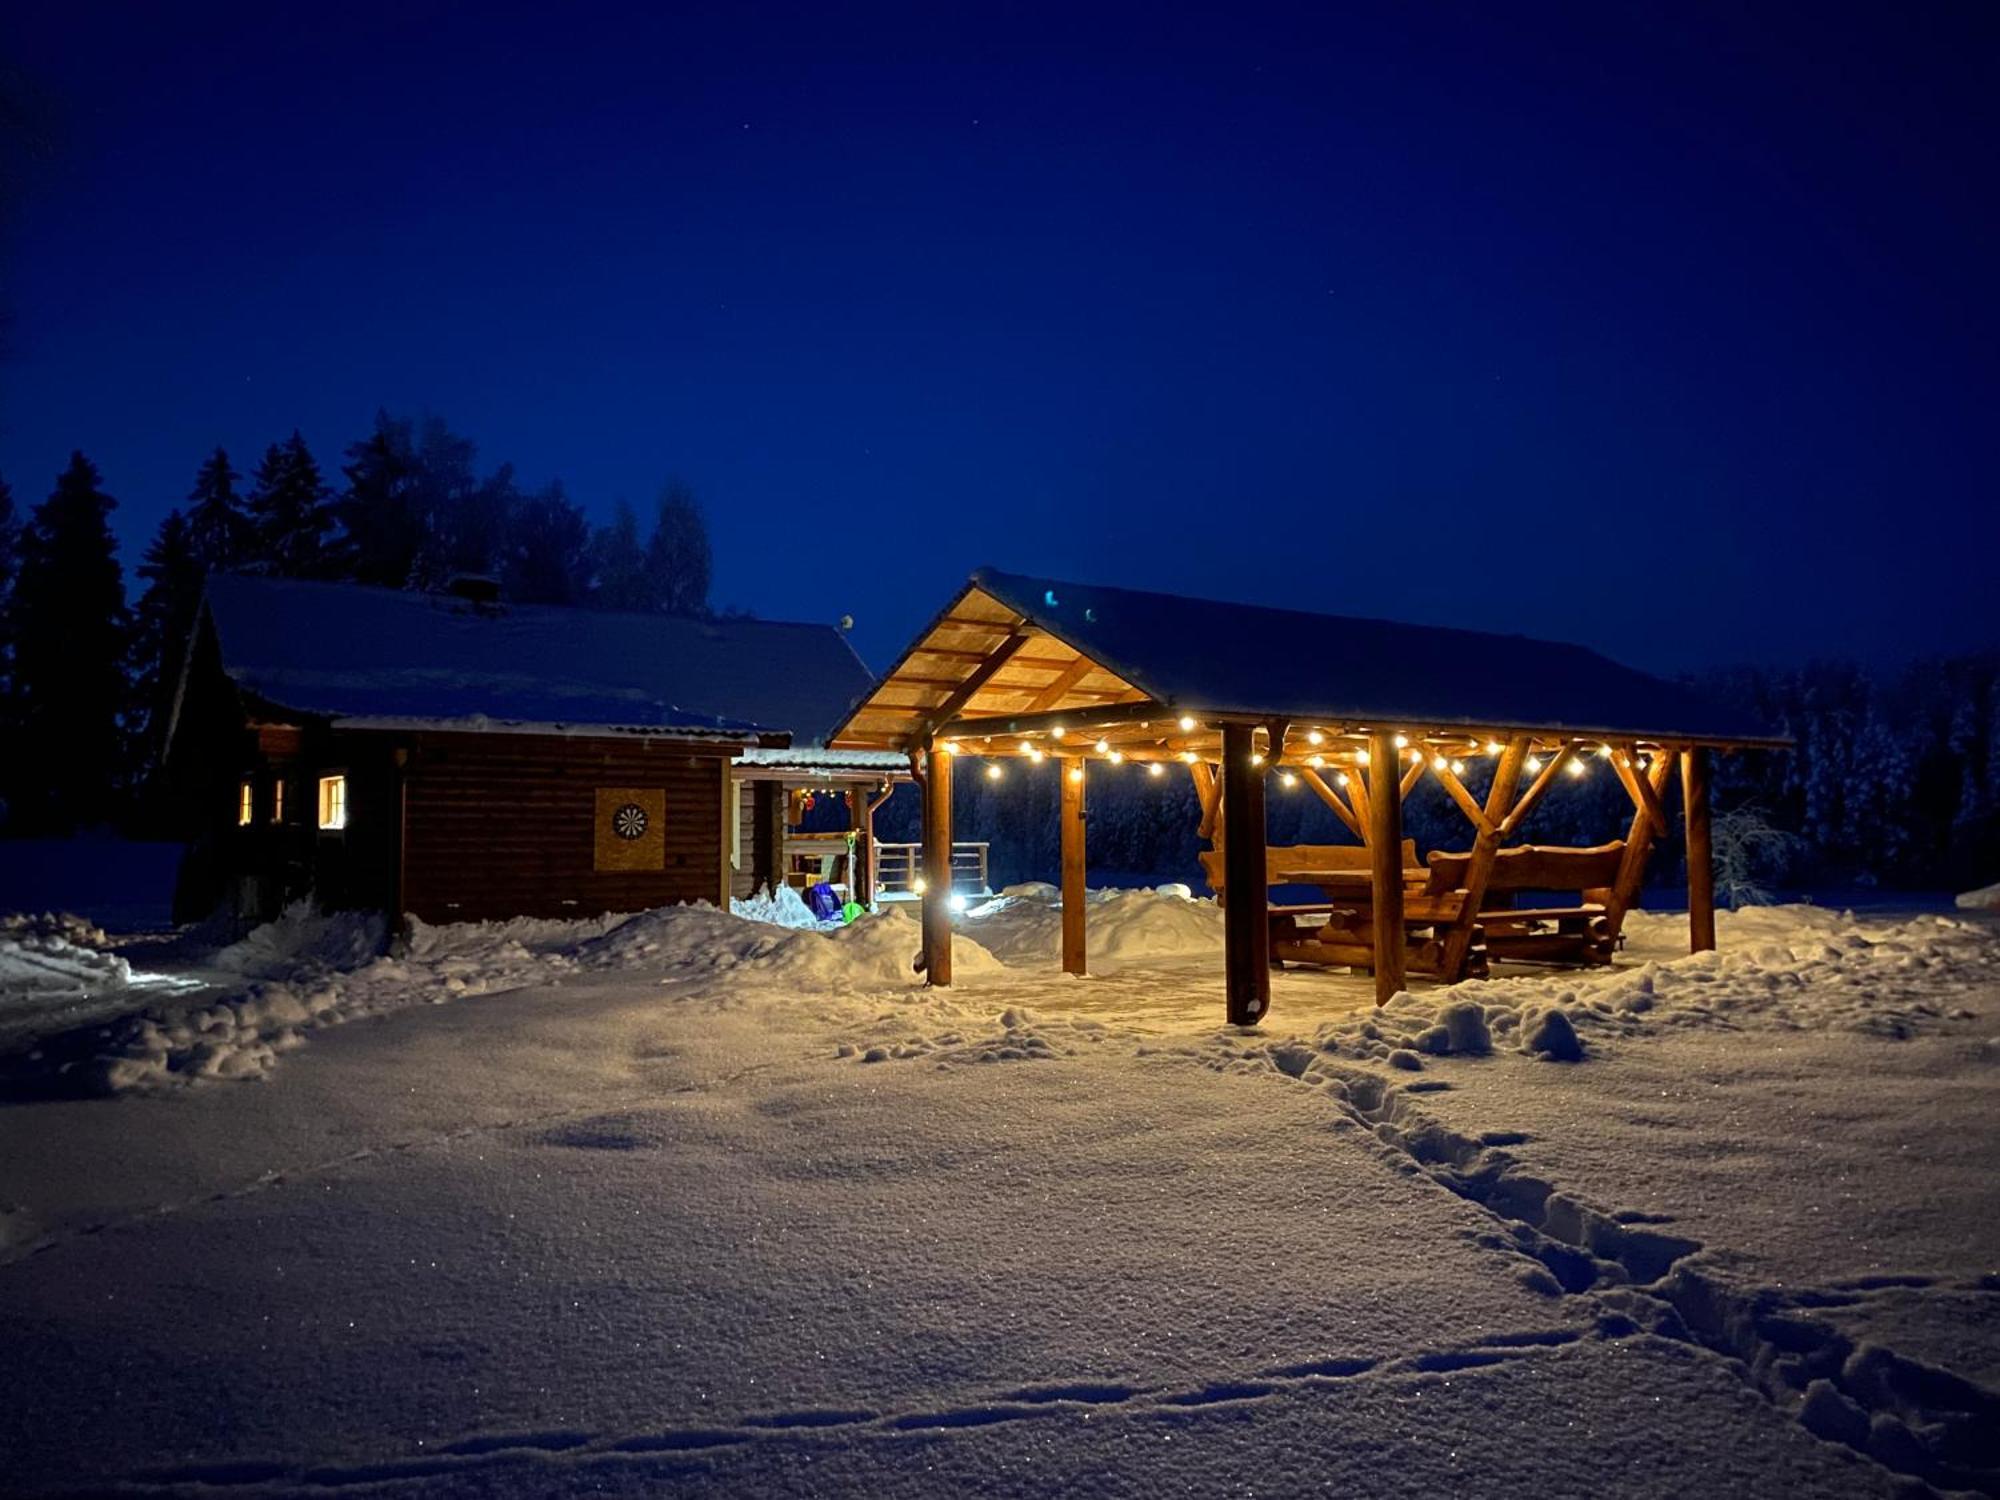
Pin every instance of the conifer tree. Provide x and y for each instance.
(618, 564)
(545, 558)
(678, 561)
(162, 624)
(291, 512)
(70, 632)
(219, 533)
(382, 512)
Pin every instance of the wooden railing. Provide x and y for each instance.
(897, 867)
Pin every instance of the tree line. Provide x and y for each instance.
(87, 675)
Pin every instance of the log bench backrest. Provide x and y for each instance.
(1308, 856)
(1533, 867)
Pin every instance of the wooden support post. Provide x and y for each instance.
(937, 866)
(1485, 849)
(1700, 851)
(1385, 863)
(1639, 841)
(1074, 898)
(861, 872)
(1246, 929)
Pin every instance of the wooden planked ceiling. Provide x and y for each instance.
(1009, 666)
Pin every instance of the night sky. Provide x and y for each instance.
(1673, 334)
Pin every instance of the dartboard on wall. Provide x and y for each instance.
(631, 831)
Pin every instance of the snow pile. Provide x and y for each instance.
(1790, 968)
(782, 907)
(51, 957)
(1986, 898)
(1023, 925)
(80, 931)
(317, 970)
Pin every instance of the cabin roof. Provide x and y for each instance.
(370, 656)
(1093, 653)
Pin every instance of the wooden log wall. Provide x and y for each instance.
(505, 825)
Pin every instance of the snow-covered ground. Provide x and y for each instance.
(688, 1201)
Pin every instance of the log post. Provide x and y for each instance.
(937, 865)
(1485, 849)
(1700, 850)
(1074, 898)
(1385, 862)
(1246, 929)
(861, 868)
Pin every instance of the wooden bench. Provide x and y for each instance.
(1580, 933)
(1337, 928)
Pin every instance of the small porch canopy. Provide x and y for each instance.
(1358, 709)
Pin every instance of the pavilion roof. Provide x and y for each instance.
(1012, 652)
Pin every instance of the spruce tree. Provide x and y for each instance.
(382, 513)
(291, 512)
(219, 533)
(10, 541)
(618, 578)
(545, 557)
(162, 624)
(70, 632)
(678, 560)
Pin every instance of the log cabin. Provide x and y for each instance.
(1111, 681)
(454, 757)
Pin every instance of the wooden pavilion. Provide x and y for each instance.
(1357, 710)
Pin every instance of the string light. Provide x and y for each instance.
(1438, 762)
(1362, 758)
(1154, 768)
(1057, 731)
(1256, 758)
(1575, 767)
(1316, 761)
(1534, 764)
(1314, 737)
(1117, 757)
(1340, 778)
(1289, 779)
(1604, 752)
(1076, 773)
(993, 771)
(1102, 746)
(1458, 768)
(1036, 756)
(1416, 756)
(1188, 756)
(1026, 748)
(1402, 740)
(950, 747)
(1494, 747)
(1186, 722)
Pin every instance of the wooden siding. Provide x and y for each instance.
(499, 826)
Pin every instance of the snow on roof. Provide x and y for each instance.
(352, 653)
(1249, 658)
(814, 758)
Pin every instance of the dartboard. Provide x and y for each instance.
(629, 822)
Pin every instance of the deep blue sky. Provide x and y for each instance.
(1670, 330)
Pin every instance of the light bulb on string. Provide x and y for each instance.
(1576, 767)
(1076, 773)
(993, 771)
(1116, 757)
(1288, 779)
(1314, 737)
(1154, 768)
(1402, 740)
(1534, 764)
(1102, 746)
(1186, 722)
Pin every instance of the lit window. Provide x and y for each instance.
(278, 801)
(333, 802)
(246, 796)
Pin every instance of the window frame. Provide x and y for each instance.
(246, 802)
(334, 783)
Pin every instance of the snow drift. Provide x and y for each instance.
(1023, 925)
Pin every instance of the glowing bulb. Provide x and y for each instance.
(1316, 761)
(950, 747)
(1154, 768)
(1026, 748)
(1289, 779)
(1575, 768)
(1314, 737)
(1402, 740)
(1076, 773)
(993, 772)
(1117, 757)
(1458, 768)
(1494, 747)
(919, 885)
(956, 901)
(1102, 746)
(1188, 756)
(1534, 764)
(1256, 759)
(1186, 722)
(1438, 762)
(1057, 731)
(1341, 778)
(1416, 756)
(1036, 756)
(1362, 758)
